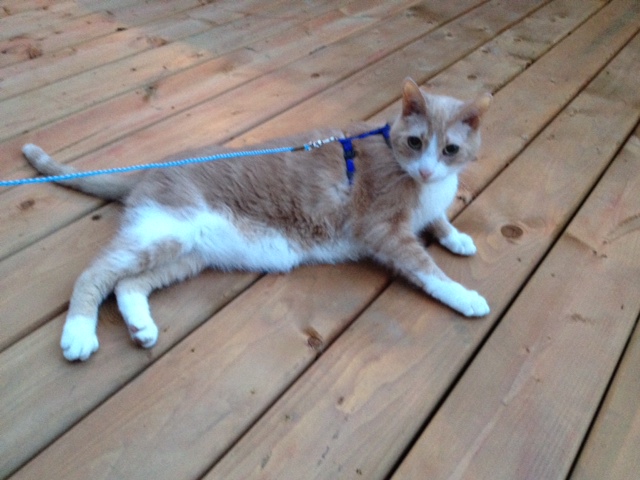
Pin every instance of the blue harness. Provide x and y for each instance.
(349, 152)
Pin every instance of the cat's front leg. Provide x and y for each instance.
(468, 302)
(401, 250)
(451, 238)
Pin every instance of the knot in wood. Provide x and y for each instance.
(511, 231)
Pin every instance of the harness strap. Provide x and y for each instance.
(350, 153)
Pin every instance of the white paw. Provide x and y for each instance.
(471, 304)
(134, 306)
(146, 336)
(79, 339)
(459, 243)
(468, 302)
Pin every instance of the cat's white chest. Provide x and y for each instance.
(434, 200)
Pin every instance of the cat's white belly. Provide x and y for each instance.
(224, 245)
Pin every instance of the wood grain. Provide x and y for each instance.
(21, 226)
(611, 447)
(230, 362)
(329, 372)
(542, 373)
(234, 113)
(365, 394)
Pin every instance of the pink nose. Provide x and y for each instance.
(425, 174)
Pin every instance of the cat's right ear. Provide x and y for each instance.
(413, 102)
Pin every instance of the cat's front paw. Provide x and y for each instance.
(79, 340)
(472, 304)
(468, 302)
(459, 243)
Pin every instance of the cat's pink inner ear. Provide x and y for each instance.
(413, 102)
(474, 110)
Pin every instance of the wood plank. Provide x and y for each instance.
(49, 268)
(565, 70)
(612, 446)
(614, 26)
(68, 284)
(47, 19)
(72, 60)
(421, 59)
(37, 32)
(19, 21)
(19, 265)
(235, 110)
(231, 361)
(538, 380)
(518, 48)
(86, 89)
(55, 340)
(85, 131)
(364, 391)
(13, 7)
(43, 394)
(83, 401)
(53, 35)
(156, 31)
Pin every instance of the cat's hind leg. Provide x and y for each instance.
(79, 338)
(132, 294)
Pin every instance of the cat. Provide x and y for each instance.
(271, 213)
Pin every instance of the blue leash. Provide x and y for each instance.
(347, 146)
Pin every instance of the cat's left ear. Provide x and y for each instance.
(413, 102)
(472, 111)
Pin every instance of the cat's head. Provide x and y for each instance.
(436, 136)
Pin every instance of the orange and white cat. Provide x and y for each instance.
(271, 213)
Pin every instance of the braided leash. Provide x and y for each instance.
(188, 161)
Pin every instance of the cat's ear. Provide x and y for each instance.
(413, 102)
(473, 111)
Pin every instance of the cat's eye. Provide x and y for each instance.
(450, 150)
(414, 143)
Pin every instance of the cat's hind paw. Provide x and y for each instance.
(134, 306)
(145, 336)
(79, 339)
(459, 243)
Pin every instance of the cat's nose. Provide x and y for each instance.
(425, 174)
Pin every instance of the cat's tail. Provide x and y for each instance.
(109, 187)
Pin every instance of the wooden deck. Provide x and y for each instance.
(332, 372)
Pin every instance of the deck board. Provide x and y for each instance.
(330, 371)
(235, 112)
(364, 398)
(541, 375)
(611, 447)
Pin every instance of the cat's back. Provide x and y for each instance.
(287, 172)
(303, 193)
